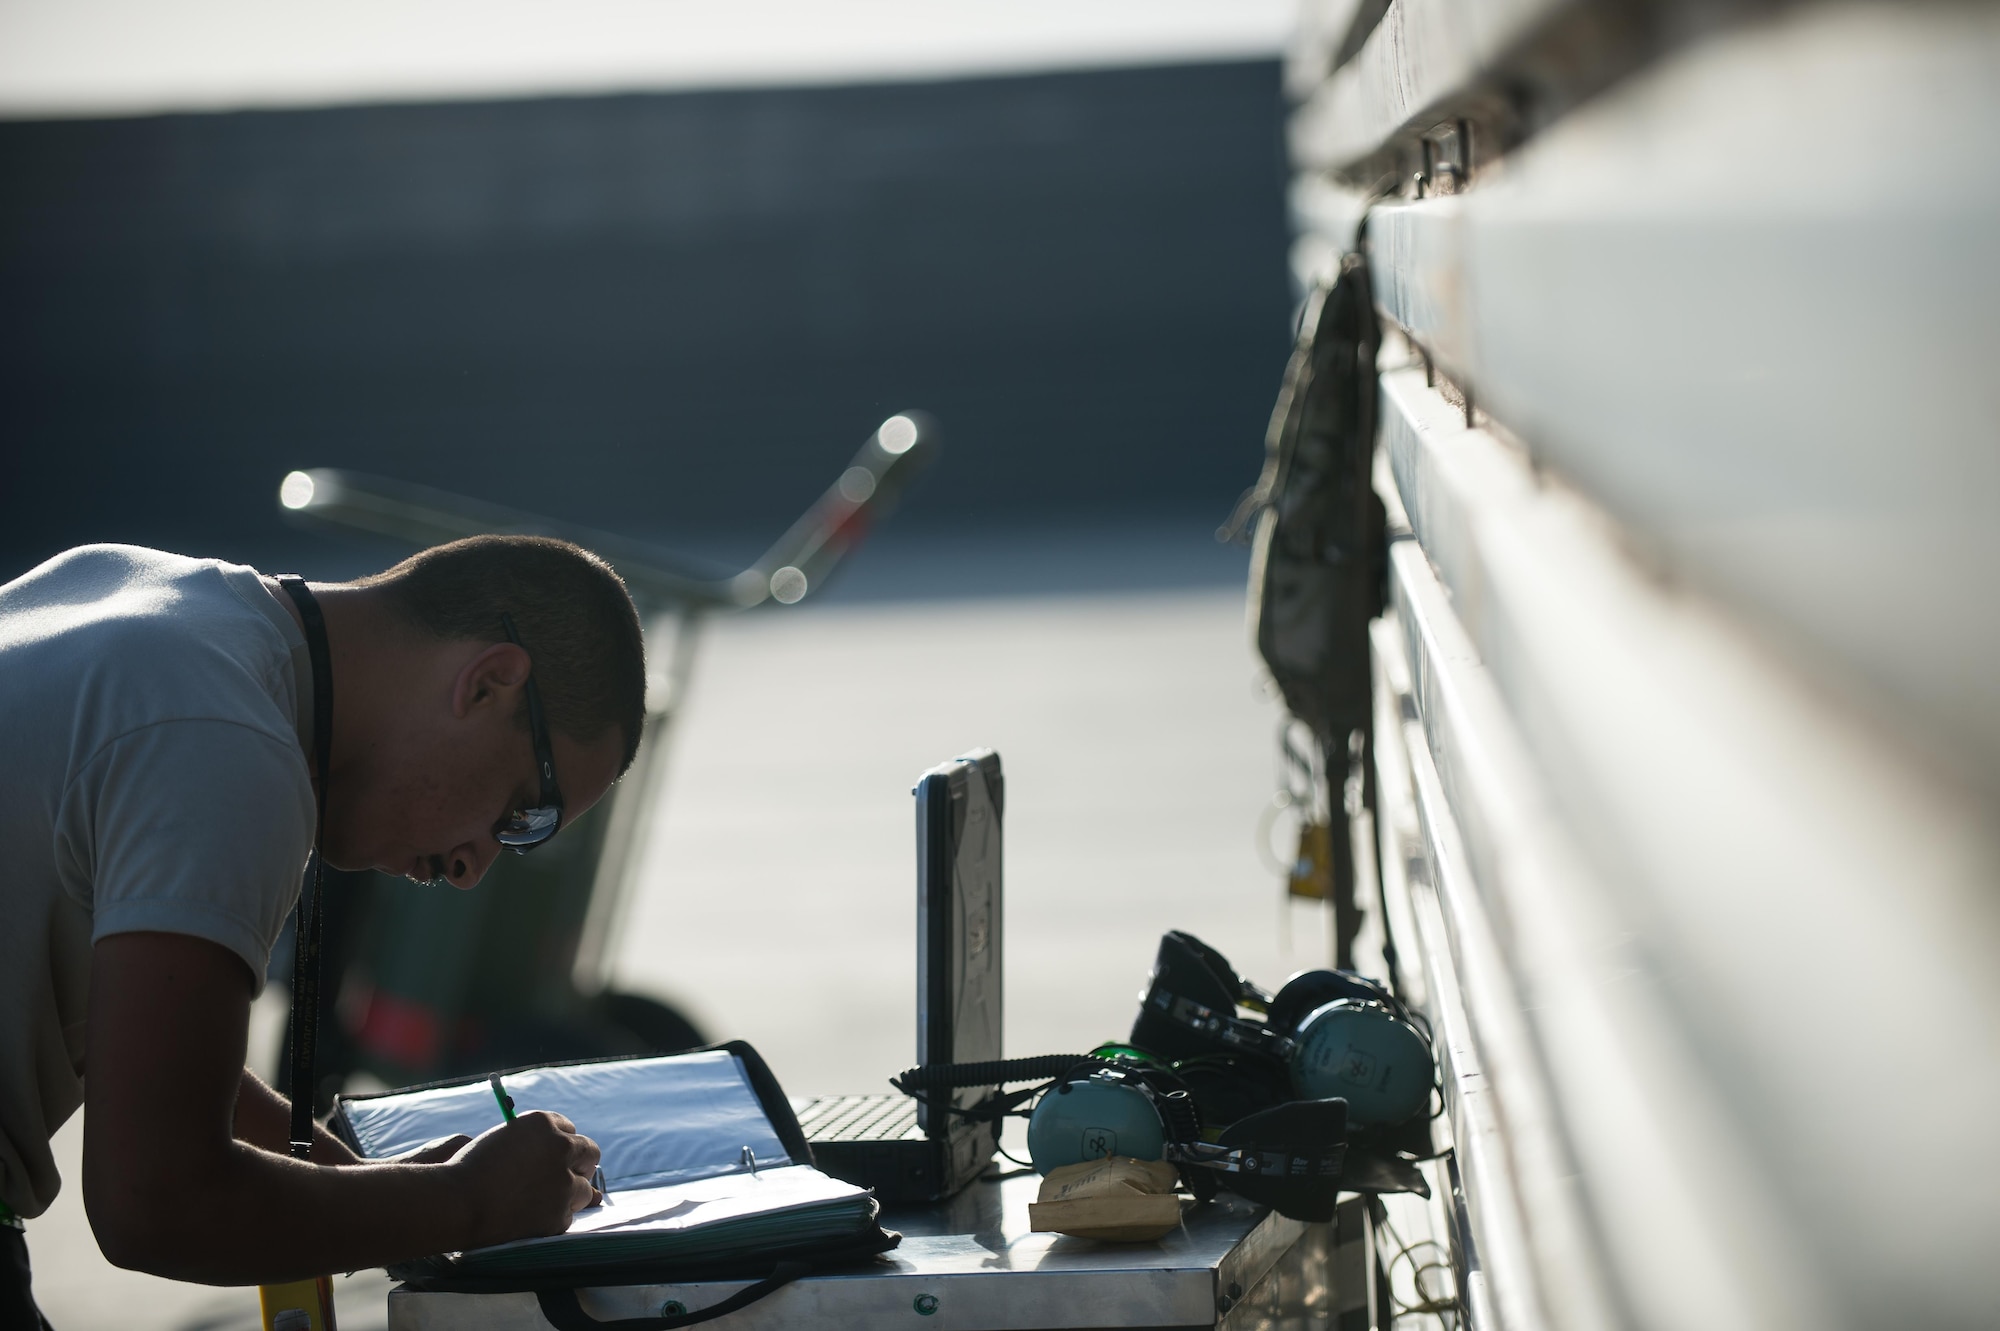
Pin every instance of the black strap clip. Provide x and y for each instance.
(565, 1312)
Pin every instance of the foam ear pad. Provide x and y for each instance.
(1315, 989)
(1185, 968)
(1227, 983)
(1309, 1125)
(1302, 1131)
(1227, 1087)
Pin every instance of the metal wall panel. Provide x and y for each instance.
(1326, 217)
(1321, 29)
(1423, 55)
(1688, 735)
(1684, 858)
(1713, 304)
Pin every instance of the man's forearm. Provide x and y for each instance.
(176, 1175)
(256, 1217)
(264, 1119)
(333, 1219)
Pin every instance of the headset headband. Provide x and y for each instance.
(1226, 1027)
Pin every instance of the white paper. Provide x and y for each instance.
(681, 1206)
(657, 1120)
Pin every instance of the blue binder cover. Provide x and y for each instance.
(702, 1159)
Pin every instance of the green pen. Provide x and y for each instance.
(507, 1112)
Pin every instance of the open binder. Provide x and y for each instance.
(708, 1173)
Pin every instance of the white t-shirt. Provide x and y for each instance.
(154, 715)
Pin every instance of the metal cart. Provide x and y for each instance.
(972, 1262)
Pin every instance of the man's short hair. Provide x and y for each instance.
(575, 618)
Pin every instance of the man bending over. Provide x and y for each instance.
(157, 804)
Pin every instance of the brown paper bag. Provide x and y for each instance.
(1116, 1198)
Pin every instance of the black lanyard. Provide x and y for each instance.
(305, 960)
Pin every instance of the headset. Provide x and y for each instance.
(1325, 1094)
(1118, 1101)
(1325, 1034)
(1293, 1155)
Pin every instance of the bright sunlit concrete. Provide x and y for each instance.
(778, 901)
(126, 57)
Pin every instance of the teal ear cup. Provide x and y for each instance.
(1367, 1055)
(1326, 1034)
(1092, 1118)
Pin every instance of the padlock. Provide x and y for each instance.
(1311, 873)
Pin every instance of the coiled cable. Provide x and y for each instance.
(942, 1076)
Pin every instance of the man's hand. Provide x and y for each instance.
(529, 1176)
(178, 1180)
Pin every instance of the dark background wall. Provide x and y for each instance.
(672, 314)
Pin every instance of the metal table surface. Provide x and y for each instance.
(972, 1264)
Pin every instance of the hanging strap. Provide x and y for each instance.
(305, 960)
(565, 1312)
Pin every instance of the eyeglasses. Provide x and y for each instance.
(524, 829)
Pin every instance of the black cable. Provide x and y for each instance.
(1425, 1305)
(304, 1019)
(984, 1111)
(1028, 1165)
(937, 1076)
